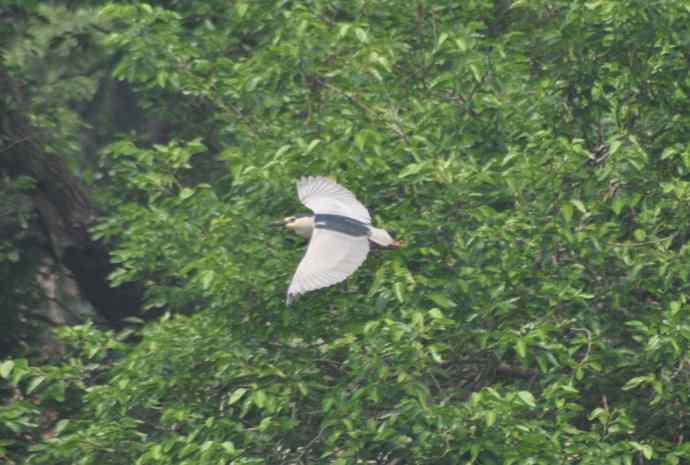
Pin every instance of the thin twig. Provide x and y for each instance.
(351, 98)
(309, 444)
(589, 345)
(516, 372)
(16, 142)
(638, 244)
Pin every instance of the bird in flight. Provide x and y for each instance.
(339, 230)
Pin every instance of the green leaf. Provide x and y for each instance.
(397, 288)
(242, 8)
(60, 426)
(435, 355)
(435, 314)
(476, 73)
(579, 205)
(442, 300)
(236, 395)
(636, 381)
(441, 39)
(327, 404)
(527, 398)
(567, 212)
(362, 35)
(253, 83)
(282, 150)
(645, 449)
(410, 170)
(259, 397)
(207, 277)
(618, 205)
(599, 414)
(490, 418)
(311, 146)
(55, 391)
(6, 368)
(34, 384)
(342, 31)
(475, 449)
(521, 348)
(613, 148)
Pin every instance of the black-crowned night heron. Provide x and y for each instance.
(340, 230)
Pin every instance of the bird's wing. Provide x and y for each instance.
(331, 257)
(322, 195)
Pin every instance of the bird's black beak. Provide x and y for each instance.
(277, 223)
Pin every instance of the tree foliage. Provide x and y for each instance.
(532, 156)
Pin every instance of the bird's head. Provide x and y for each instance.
(302, 224)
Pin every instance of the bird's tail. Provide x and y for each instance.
(381, 237)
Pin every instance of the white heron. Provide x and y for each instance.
(339, 230)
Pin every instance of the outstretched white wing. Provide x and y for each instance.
(331, 257)
(322, 195)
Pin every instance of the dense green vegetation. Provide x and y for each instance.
(532, 155)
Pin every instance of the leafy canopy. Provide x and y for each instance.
(532, 156)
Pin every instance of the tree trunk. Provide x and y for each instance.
(64, 208)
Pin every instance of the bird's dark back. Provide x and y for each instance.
(341, 224)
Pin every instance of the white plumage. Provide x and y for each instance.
(321, 195)
(339, 231)
(331, 258)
